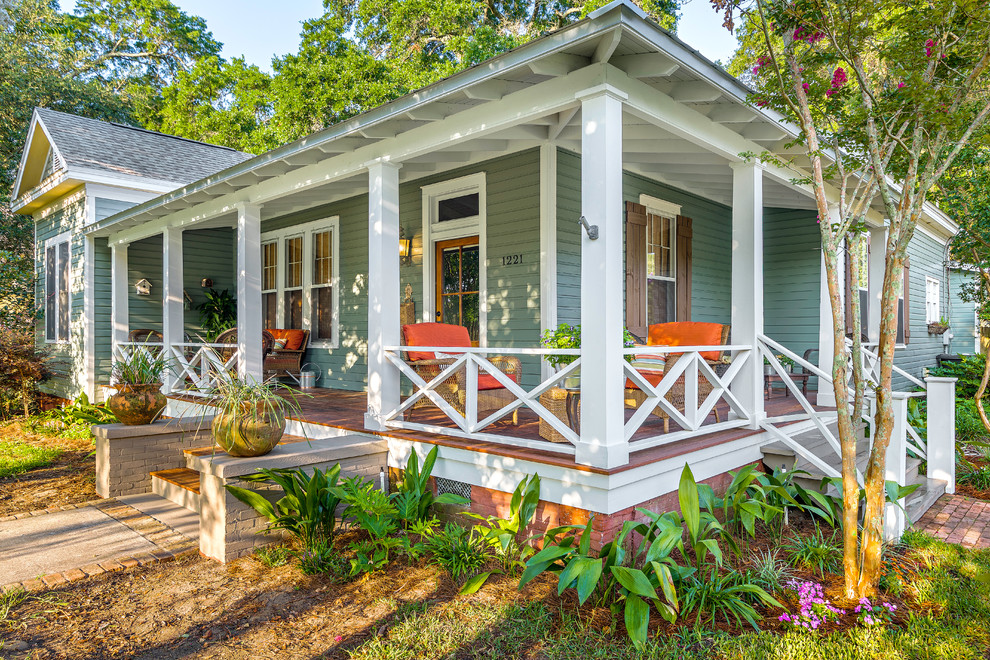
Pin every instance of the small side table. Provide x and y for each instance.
(770, 379)
(565, 405)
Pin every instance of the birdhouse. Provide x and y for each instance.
(142, 287)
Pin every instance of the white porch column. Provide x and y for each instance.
(172, 311)
(896, 462)
(942, 430)
(119, 291)
(383, 290)
(826, 394)
(249, 323)
(747, 283)
(602, 441)
(875, 266)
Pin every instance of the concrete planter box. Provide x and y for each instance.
(126, 455)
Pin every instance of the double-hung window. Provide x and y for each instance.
(299, 279)
(933, 311)
(661, 256)
(57, 257)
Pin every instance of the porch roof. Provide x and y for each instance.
(689, 153)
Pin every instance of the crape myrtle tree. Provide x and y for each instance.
(886, 94)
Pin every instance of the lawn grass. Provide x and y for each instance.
(17, 457)
(950, 598)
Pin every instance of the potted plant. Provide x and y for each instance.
(938, 327)
(569, 336)
(786, 362)
(250, 417)
(217, 313)
(137, 378)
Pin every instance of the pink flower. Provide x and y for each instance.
(337, 638)
(900, 85)
(929, 45)
(806, 86)
(839, 78)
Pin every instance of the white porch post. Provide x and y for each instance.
(942, 430)
(383, 290)
(896, 462)
(602, 442)
(747, 283)
(875, 268)
(172, 312)
(249, 357)
(119, 288)
(826, 333)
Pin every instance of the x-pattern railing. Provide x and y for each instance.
(198, 368)
(474, 362)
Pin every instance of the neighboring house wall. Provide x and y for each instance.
(65, 361)
(962, 316)
(791, 278)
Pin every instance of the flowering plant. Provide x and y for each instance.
(569, 336)
(814, 610)
(869, 614)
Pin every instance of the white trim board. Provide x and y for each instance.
(431, 194)
(548, 243)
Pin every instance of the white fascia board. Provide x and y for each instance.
(156, 186)
(118, 193)
(32, 195)
(536, 101)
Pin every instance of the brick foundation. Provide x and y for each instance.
(126, 455)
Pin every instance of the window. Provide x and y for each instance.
(299, 279)
(661, 258)
(933, 312)
(57, 289)
(458, 208)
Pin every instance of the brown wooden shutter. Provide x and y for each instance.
(684, 236)
(907, 302)
(636, 269)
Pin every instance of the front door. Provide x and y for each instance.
(458, 284)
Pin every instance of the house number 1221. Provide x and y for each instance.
(512, 259)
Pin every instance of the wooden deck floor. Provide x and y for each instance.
(345, 410)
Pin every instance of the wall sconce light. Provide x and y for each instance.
(206, 283)
(405, 248)
(142, 287)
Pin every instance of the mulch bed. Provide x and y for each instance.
(968, 489)
(70, 479)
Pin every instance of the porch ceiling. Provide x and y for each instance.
(517, 100)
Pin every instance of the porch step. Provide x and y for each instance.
(213, 450)
(178, 485)
(922, 499)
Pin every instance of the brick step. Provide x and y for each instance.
(214, 450)
(178, 485)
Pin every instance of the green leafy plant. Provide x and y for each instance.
(217, 313)
(73, 420)
(703, 529)
(970, 474)
(745, 502)
(713, 595)
(307, 508)
(415, 498)
(769, 571)
(780, 491)
(968, 373)
(142, 365)
(502, 534)
(373, 511)
(567, 336)
(458, 550)
(273, 556)
(321, 559)
(814, 552)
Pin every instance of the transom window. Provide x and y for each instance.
(661, 256)
(57, 301)
(299, 279)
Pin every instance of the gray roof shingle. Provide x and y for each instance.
(121, 149)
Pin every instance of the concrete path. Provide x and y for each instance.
(958, 519)
(43, 548)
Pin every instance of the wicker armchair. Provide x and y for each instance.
(145, 336)
(230, 337)
(680, 334)
(492, 395)
(287, 361)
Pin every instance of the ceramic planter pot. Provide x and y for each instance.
(249, 434)
(136, 404)
(573, 380)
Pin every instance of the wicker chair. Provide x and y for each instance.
(680, 334)
(286, 361)
(145, 336)
(492, 395)
(230, 337)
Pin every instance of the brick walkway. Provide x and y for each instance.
(958, 519)
(163, 542)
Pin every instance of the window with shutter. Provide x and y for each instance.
(636, 269)
(57, 276)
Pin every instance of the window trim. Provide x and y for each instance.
(306, 230)
(661, 208)
(434, 232)
(64, 237)
(929, 281)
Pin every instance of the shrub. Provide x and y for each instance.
(22, 367)
(968, 372)
(457, 550)
(814, 552)
(373, 511)
(727, 595)
(969, 426)
(72, 420)
(414, 498)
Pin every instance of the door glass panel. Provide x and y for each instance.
(270, 304)
(470, 271)
(450, 271)
(469, 314)
(451, 310)
(456, 208)
(293, 261)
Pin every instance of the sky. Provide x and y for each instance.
(263, 29)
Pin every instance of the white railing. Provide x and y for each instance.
(193, 369)
(467, 364)
(684, 381)
(871, 368)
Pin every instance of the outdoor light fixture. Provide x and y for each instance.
(405, 247)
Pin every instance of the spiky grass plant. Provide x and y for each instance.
(144, 365)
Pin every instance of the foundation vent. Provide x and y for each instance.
(455, 487)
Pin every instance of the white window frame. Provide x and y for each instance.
(661, 208)
(307, 230)
(55, 241)
(933, 300)
(435, 231)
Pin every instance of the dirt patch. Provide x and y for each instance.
(70, 479)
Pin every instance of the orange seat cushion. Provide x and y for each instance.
(434, 334)
(687, 333)
(293, 338)
(489, 382)
(652, 377)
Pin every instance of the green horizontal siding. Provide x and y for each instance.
(107, 207)
(962, 319)
(791, 278)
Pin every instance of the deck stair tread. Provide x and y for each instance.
(816, 444)
(181, 477)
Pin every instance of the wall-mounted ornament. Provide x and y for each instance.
(142, 287)
(187, 301)
(206, 283)
(407, 310)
